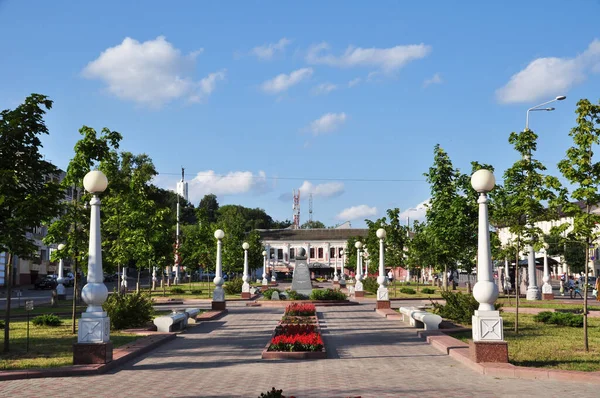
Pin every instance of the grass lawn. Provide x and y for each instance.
(206, 289)
(63, 307)
(48, 346)
(549, 346)
(592, 305)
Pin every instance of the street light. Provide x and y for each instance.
(487, 323)
(546, 287)
(342, 274)
(336, 279)
(383, 298)
(358, 285)
(60, 289)
(273, 276)
(218, 302)
(93, 337)
(532, 289)
(245, 277)
(265, 282)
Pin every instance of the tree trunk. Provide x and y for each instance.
(119, 278)
(137, 286)
(445, 278)
(8, 294)
(517, 288)
(585, 317)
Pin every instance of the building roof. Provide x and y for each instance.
(325, 234)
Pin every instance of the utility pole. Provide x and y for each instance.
(310, 209)
(181, 192)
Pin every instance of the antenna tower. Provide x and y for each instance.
(296, 209)
(310, 209)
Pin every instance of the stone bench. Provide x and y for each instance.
(192, 313)
(172, 322)
(421, 319)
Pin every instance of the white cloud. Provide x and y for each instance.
(150, 73)
(327, 123)
(354, 82)
(551, 76)
(435, 79)
(324, 88)
(267, 51)
(416, 213)
(356, 212)
(282, 82)
(387, 59)
(326, 190)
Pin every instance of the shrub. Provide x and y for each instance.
(177, 290)
(196, 292)
(1, 324)
(47, 320)
(294, 320)
(560, 318)
(234, 286)
(294, 295)
(427, 290)
(327, 294)
(408, 290)
(370, 284)
(128, 310)
(297, 309)
(272, 394)
(269, 292)
(459, 307)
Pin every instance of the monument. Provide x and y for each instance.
(301, 279)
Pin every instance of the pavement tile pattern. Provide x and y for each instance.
(368, 356)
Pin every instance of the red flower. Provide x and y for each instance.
(301, 309)
(297, 342)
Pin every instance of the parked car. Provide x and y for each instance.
(47, 282)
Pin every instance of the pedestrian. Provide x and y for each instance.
(597, 289)
(571, 286)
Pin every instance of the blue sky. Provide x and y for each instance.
(319, 95)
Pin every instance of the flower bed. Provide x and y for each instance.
(297, 336)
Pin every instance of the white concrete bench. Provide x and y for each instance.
(421, 319)
(171, 322)
(192, 313)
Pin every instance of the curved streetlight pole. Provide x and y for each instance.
(246, 277)
(383, 298)
(218, 302)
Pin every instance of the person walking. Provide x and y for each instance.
(597, 288)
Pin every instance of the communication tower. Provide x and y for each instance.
(310, 209)
(296, 209)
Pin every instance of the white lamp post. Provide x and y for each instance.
(154, 279)
(546, 287)
(336, 279)
(487, 323)
(365, 259)
(246, 277)
(60, 289)
(273, 274)
(383, 298)
(124, 280)
(265, 282)
(93, 338)
(218, 302)
(342, 273)
(358, 286)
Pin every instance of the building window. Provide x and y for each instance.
(312, 252)
(340, 252)
(320, 251)
(332, 252)
(271, 253)
(279, 254)
(292, 254)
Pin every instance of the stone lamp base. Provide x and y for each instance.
(246, 295)
(219, 305)
(548, 296)
(489, 351)
(359, 293)
(92, 353)
(383, 304)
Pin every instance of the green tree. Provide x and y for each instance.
(208, 209)
(584, 175)
(29, 185)
(312, 225)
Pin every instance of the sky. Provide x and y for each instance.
(344, 100)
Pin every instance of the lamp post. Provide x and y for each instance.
(273, 275)
(218, 302)
(488, 334)
(60, 289)
(154, 279)
(358, 286)
(546, 287)
(245, 277)
(124, 280)
(365, 259)
(336, 279)
(532, 289)
(265, 282)
(93, 337)
(342, 273)
(383, 298)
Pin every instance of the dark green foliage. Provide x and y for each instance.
(1, 324)
(269, 292)
(272, 394)
(427, 290)
(234, 286)
(560, 318)
(128, 310)
(47, 320)
(177, 290)
(370, 284)
(294, 295)
(196, 291)
(327, 294)
(459, 307)
(408, 290)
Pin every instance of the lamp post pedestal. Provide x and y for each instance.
(60, 288)
(218, 303)
(546, 287)
(358, 287)
(383, 297)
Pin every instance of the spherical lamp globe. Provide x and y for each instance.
(264, 253)
(245, 246)
(483, 181)
(219, 234)
(358, 245)
(61, 246)
(95, 181)
(381, 233)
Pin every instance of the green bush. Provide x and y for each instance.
(408, 290)
(269, 292)
(272, 394)
(128, 310)
(560, 318)
(327, 294)
(234, 286)
(427, 290)
(177, 290)
(1, 324)
(459, 307)
(294, 295)
(196, 292)
(370, 284)
(47, 320)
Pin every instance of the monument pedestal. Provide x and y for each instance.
(218, 305)
(488, 343)
(547, 292)
(383, 304)
(359, 293)
(548, 296)
(488, 351)
(246, 295)
(92, 353)
(301, 282)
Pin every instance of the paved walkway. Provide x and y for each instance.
(369, 356)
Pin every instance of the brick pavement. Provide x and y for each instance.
(369, 356)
